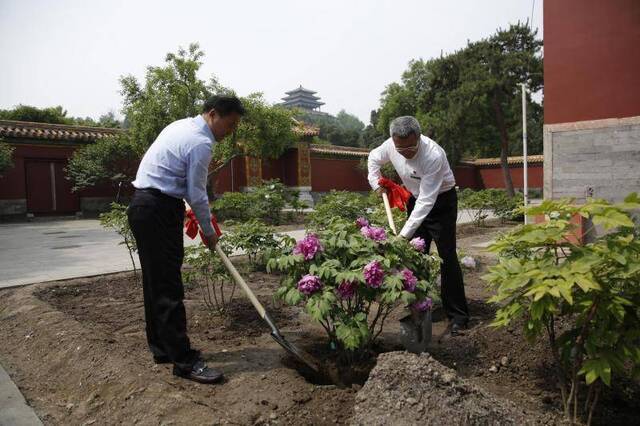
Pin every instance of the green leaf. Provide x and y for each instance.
(407, 298)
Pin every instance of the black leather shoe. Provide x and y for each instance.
(200, 373)
(457, 329)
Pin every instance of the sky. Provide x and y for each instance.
(72, 52)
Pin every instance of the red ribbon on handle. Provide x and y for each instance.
(192, 228)
(398, 195)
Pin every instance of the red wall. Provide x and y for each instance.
(338, 174)
(273, 169)
(492, 177)
(13, 183)
(591, 59)
(223, 181)
(467, 177)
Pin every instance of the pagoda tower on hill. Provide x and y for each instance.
(304, 99)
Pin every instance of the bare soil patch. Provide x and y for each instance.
(77, 350)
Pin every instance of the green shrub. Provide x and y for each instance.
(493, 200)
(256, 239)
(350, 282)
(233, 206)
(117, 219)
(207, 271)
(264, 202)
(338, 205)
(585, 299)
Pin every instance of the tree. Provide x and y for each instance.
(470, 99)
(6, 153)
(503, 61)
(169, 93)
(111, 160)
(371, 136)
(265, 131)
(56, 115)
(344, 129)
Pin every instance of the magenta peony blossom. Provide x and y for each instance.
(309, 246)
(374, 233)
(422, 305)
(346, 289)
(373, 274)
(309, 284)
(410, 280)
(361, 222)
(418, 244)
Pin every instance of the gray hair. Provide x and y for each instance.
(402, 127)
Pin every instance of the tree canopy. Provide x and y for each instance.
(56, 115)
(469, 101)
(344, 129)
(171, 92)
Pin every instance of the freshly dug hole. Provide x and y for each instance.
(333, 370)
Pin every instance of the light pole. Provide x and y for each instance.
(524, 149)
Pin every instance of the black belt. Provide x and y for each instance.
(157, 193)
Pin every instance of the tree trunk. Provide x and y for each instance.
(504, 146)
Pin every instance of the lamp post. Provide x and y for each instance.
(524, 149)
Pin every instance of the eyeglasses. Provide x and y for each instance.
(407, 148)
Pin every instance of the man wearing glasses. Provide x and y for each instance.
(433, 208)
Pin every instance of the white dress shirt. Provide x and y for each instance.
(177, 164)
(425, 175)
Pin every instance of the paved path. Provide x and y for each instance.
(55, 250)
(14, 410)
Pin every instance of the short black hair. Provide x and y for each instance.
(224, 105)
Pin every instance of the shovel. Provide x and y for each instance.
(387, 208)
(301, 355)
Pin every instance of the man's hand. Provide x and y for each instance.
(381, 190)
(211, 241)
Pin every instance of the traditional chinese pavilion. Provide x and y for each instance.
(302, 98)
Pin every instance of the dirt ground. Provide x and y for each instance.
(77, 351)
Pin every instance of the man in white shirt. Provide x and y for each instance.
(433, 208)
(174, 168)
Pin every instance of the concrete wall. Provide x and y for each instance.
(592, 158)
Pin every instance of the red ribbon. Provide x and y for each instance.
(398, 195)
(192, 228)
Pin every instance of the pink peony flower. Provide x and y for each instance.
(373, 274)
(418, 244)
(422, 305)
(410, 280)
(309, 246)
(346, 289)
(361, 222)
(374, 233)
(309, 284)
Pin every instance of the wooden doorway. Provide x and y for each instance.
(48, 192)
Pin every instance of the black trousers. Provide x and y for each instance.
(440, 226)
(156, 221)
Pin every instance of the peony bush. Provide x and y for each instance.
(351, 275)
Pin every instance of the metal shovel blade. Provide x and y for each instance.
(304, 357)
(301, 355)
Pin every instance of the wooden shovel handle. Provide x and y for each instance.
(238, 279)
(387, 207)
